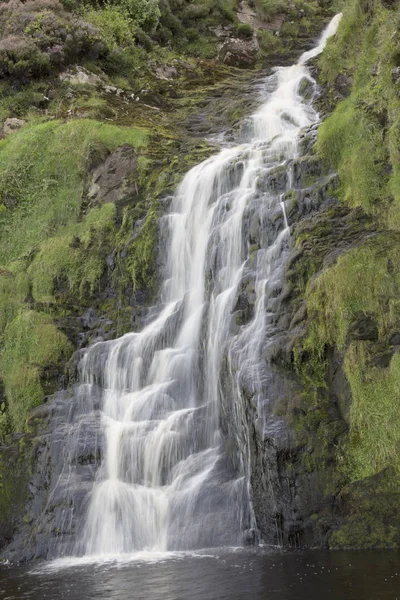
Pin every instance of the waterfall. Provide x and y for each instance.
(170, 477)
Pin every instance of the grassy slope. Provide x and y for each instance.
(42, 176)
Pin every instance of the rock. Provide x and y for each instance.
(363, 327)
(81, 76)
(11, 125)
(239, 53)
(167, 73)
(114, 179)
(395, 339)
(343, 85)
(396, 75)
(246, 14)
(126, 95)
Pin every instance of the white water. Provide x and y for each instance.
(170, 480)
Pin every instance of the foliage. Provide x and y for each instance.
(39, 35)
(268, 41)
(269, 8)
(374, 414)
(115, 26)
(363, 281)
(144, 13)
(245, 30)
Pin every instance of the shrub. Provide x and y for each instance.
(192, 34)
(269, 8)
(227, 8)
(143, 39)
(116, 27)
(245, 30)
(144, 13)
(268, 41)
(20, 57)
(195, 11)
(39, 35)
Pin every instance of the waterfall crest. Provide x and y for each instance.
(170, 478)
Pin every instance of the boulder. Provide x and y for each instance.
(81, 76)
(239, 53)
(11, 125)
(166, 72)
(114, 179)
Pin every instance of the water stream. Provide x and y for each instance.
(169, 478)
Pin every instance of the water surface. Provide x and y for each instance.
(213, 575)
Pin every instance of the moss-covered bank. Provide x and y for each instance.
(353, 302)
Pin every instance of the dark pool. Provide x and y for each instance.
(212, 575)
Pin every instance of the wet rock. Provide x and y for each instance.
(307, 88)
(394, 339)
(343, 85)
(396, 75)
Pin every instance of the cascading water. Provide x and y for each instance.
(169, 478)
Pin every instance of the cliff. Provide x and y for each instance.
(104, 110)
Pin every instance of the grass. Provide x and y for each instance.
(374, 415)
(48, 248)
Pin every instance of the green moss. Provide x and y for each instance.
(14, 289)
(352, 142)
(31, 341)
(364, 283)
(364, 280)
(73, 257)
(372, 519)
(140, 263)
(374, 413)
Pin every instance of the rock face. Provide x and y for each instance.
(300, 496)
